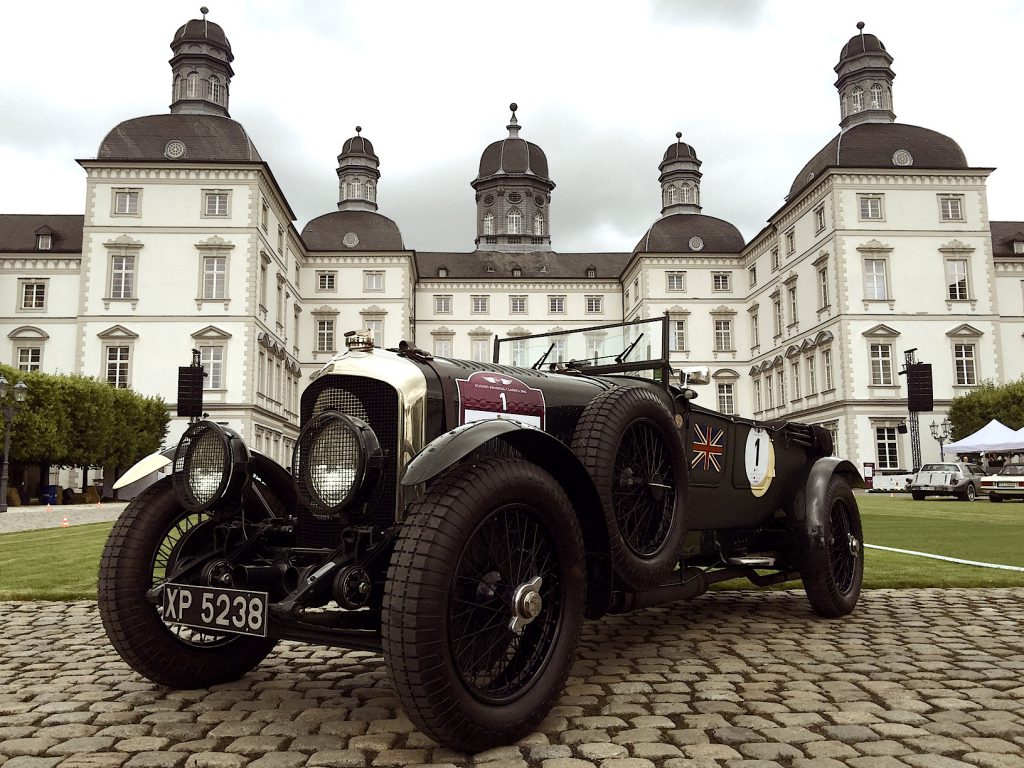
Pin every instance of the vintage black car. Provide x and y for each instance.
(464, 518)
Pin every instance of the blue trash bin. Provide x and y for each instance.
(49, 495)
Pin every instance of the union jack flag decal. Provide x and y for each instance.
(707, 448)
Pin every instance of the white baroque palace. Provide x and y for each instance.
(187, 242)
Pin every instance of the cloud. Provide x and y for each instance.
(731, 13)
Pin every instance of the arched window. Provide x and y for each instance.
(488, 223)
(214, 89)
(858, 99)
(177, 88)
(670, 195)
(192, 85)
(371, 192)
(538, 225)
(514, 222)
(876, 97)
(684, 196)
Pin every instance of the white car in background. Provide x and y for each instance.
(950, 478)
(1007, 483)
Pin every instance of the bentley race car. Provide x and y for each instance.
(464, 518)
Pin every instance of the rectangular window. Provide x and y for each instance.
(376, 329)
(964, 361)
(726, 399)
(480, 350)
(214, 277)
(126, 202)
(556, 306)
(826, 367)
(752, 273)
(636, 289)
(480, 305)
(594, 345)
(775, 258)
(777, 317)
(44, 242)
(558, 353)
(519, 353)
(887, 448)
(755, 330)
(678, 335)
(280, 239)
(823, 292)
(723, 335)
(875, 283)
(265, 215)
(263, 288)
(881, 365)
(30, 358)
(595, 305)
(1018, 246)
(373, 280)
(791, 241)
(324, 335)
(757, 396)
(791, 294)
(442, 304)
(721, 281)
(870, 207)
(769, 391)
(819, 219)
(117, 367)
(33, 295)
(443, 346)
(675, 281)
(794, 370)
(215, 203)
(780, 380)
(212, 359)
(956, 280)
(122, 277)
(625, 298)
(812, 383)
(517, 305)
(951, 207)
(326, 281)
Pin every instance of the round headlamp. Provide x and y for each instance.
(209, 466)
(337, 458)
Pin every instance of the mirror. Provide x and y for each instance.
(698, 375)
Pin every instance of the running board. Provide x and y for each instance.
(755, 560)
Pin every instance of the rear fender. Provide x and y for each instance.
(810, 515)
(555, 458)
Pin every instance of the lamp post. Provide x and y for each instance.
(9, 411)
(942, 432)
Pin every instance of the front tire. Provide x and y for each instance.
(150, 534)
(464, 569)
(970, 494)
(833, 569)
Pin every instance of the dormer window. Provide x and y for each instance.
(442, 271)
(1018, 246)
(591, 271)
(44, 242)
(517, 271)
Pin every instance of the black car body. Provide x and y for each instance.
(465, 517)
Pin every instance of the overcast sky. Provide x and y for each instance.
(602, 87)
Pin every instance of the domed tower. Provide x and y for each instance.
(680, 179)
(201, 68)
(358, 174)
(513, 194)
(865, 81)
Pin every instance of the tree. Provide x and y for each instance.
(972, 411)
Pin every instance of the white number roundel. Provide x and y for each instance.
(759, 460)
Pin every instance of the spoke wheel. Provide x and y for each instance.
(833, 569)
(483, 603)
(643, 495)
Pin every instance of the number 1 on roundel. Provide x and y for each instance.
(759, 460)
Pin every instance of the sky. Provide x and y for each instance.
(602, 88)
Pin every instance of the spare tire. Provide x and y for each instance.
(629, 442)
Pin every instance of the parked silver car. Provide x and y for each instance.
(950, 478)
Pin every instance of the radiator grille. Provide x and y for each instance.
(376, 403)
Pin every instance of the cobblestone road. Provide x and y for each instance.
(924, 678)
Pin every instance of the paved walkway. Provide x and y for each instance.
(28, 518)
(920, 678)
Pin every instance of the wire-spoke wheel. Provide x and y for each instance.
(630, 444)
(483, 603)
(833, 572)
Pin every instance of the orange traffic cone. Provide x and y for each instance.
(97, 503)
(49, 508)
(64, 523)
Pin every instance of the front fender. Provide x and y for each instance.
(813, 513)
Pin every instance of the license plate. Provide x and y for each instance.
(1006, 485)
(927, 487)
(237, 611)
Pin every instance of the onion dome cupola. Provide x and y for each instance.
(680, 179)
(358, 172)
(201, 68)
(865, 81)
(513, 195)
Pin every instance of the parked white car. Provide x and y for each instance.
(950, 478)
(1007, 483)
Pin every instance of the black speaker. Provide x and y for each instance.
(919, 387)
(190, 391)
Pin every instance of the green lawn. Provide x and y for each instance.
(60, 563)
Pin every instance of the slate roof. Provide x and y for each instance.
(858, 44)
(358, 145)
(672, 234)
(207, 139)
(375, 232)
(1004, 233)
(513, 155)
(18, 232)
(872, 145)
(536, 265)
(679, 150)
(201, 29)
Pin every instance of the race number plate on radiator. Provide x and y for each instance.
(237, 611)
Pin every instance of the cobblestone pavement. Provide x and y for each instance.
(921, 678)
(30, 518)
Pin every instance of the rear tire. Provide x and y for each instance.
(833, 571)
(631, 446)
(151, 532)
(464, 566)
(970, 494)
(995, 498)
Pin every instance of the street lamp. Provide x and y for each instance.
(9, 411)
(942, 432)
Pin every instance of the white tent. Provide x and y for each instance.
(994, 436)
